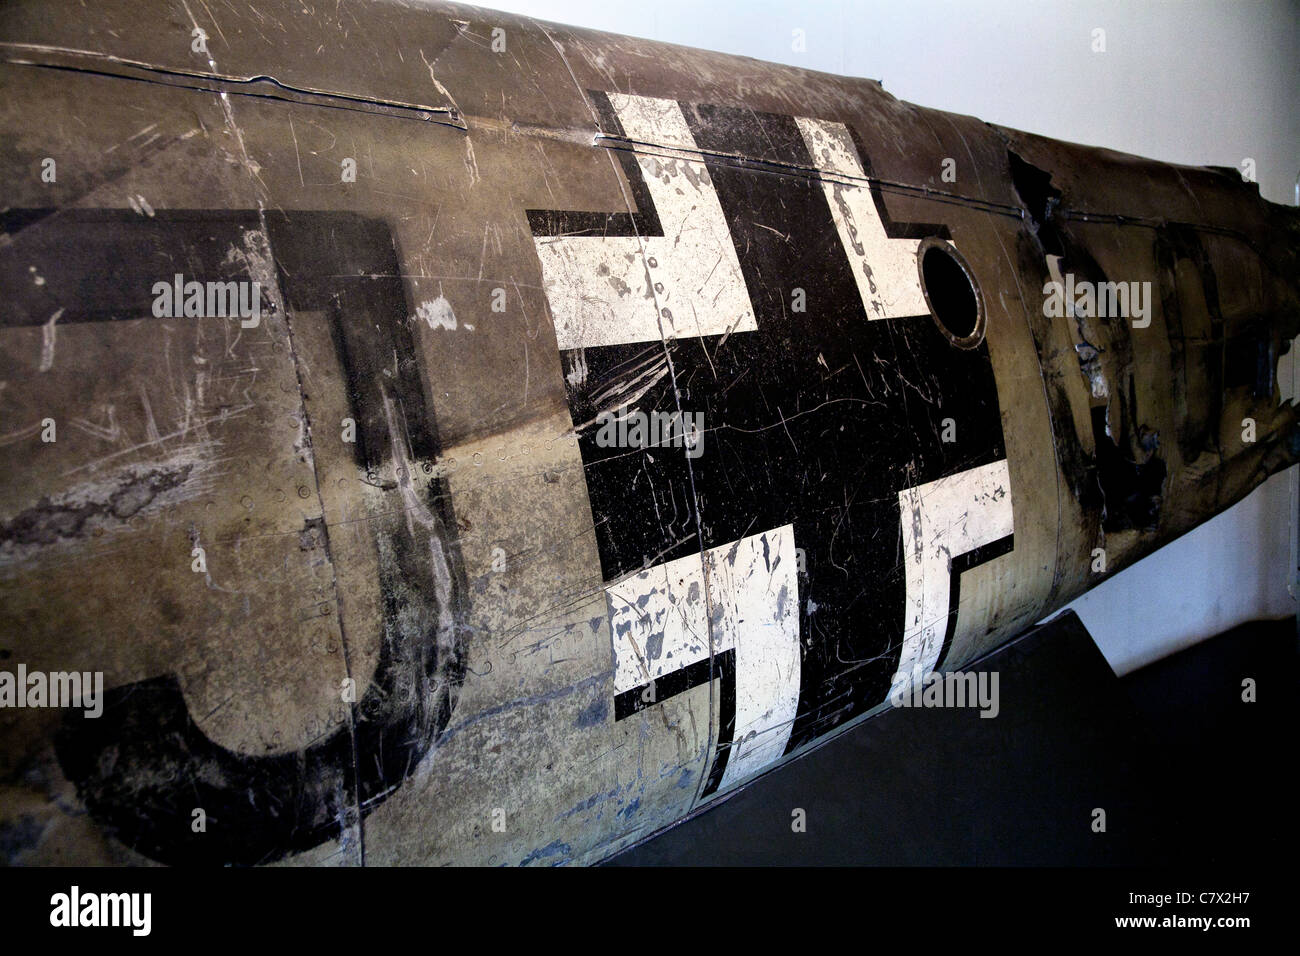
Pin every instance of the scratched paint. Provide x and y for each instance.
(676, 275)
(394, 479)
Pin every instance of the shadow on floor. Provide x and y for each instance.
(1186, 772)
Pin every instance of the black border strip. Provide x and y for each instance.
(644, 222)
(959, 566)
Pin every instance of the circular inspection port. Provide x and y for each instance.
(951, 293)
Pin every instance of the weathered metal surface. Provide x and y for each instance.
(401, 473)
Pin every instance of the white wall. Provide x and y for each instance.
(1188, 82)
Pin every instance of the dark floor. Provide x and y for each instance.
(1186, 772)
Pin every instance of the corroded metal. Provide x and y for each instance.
(378, 565)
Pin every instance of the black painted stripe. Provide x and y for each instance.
(820, 419)
(959, 566)
(725, 665)
(643, 222)
(893, 228)
(347, 266)
(721, 667)
(668, 685)
(816, 420)
(100, 265)
(144, 764)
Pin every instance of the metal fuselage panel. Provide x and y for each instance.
(576, 433)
